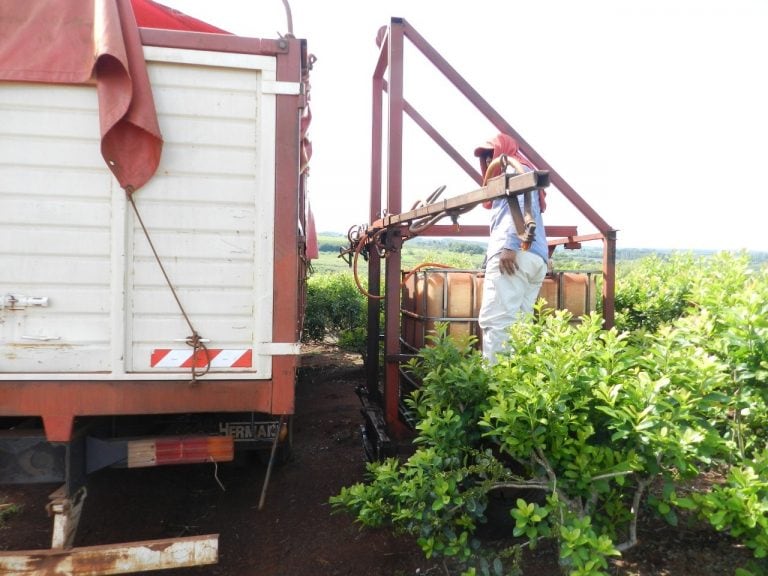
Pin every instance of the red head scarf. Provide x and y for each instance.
(506, 144)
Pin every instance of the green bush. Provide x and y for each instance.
(578, 414)
(654, 291)
(434, 496)
(740, 505)
(7, 511)
(336, 310)
(590, 427)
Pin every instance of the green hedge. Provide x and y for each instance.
(592, 428)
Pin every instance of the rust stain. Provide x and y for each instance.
(39, 345)
(125, 558)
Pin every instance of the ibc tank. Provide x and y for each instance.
(439, 295)
(455, 296)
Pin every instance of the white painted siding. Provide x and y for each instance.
(54, 230)
(67, 232)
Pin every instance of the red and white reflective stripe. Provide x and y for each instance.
(185, 358)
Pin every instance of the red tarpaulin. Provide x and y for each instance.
(81, 42)
(78, 42)
(150, 14)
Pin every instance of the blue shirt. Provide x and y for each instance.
(504, 234)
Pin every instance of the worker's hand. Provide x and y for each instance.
(508, 261)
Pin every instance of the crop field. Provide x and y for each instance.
(586, 432)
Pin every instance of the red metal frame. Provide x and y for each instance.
(388, 77)
(60, 402)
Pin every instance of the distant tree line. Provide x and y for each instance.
(333, 243)
(460, 246)
(587, 255)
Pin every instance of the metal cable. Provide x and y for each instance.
(194, 339)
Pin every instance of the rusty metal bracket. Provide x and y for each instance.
(379, 235)
(525, 223)
(272, 457)
(66, 513)
(126, 558)
(506, 185)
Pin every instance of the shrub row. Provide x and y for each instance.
(585, 428)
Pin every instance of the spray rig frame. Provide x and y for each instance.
(381, 241)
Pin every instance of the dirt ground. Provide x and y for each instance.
(296, 534)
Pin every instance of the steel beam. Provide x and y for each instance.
(126, 558)
(505, 185)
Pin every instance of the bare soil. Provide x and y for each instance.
(296, 534)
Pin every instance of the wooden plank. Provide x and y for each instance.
(125, 558)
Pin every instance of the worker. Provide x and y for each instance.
(513, 272)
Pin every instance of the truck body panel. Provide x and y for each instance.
(71, 237)
(150, 312)
(89, 323)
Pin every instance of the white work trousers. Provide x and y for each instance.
(506, 297)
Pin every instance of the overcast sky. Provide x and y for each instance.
(655, 111)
